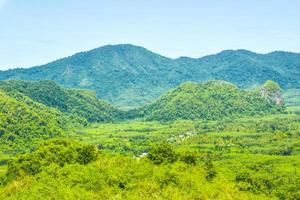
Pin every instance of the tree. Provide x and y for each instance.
(189, 158)
(162, 153)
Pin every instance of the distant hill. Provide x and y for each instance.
(211, 100)
(82, 103)
(130, 76)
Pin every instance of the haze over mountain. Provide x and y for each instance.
(130, 76)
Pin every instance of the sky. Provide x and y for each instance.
(35, 32)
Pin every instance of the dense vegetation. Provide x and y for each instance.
(210, 100)
(292, 97)
(33, 111)
(128, 76)
(82, 103)
(246, 158)
(23, 121)
(199, 141)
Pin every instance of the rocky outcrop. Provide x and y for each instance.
(271, 91)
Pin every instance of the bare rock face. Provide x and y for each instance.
(271, 91)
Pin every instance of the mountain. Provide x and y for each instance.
(129, 76)
(31, 111)
(212, 100)
(24, 121)
(81, 103)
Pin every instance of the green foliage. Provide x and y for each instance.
(209, 168)
(130, 76)
(162, 153)
(23, 122)
(60, 152)
(121, 177)
(232, 144)
(271, 85)
(235, 159)
(292, 97)
(210, 100)
(82, 103)
(189, 157)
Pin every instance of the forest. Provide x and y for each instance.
(208, 140)
(149, 100)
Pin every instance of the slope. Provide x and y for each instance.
(24, 122)
(82, 103)
(212, 100)
(130, 76)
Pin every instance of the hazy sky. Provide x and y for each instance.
(34, 32)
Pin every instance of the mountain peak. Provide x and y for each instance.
(128, 75)
(237, 52)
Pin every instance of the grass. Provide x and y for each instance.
(131, 136)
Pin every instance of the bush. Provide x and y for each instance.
(189, 158)
(59, 152)
(162, 153)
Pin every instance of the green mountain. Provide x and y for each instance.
(212, 100)
(129, 76)
(81, 103)
(31, 111)
(24, 121)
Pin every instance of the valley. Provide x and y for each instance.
(248, 158)
(198, 141)
(149, 100)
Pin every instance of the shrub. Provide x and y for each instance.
(60, 152)
(189, 158)
(162, 153)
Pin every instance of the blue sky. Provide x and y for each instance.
(34, 32)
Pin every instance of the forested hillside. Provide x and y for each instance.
(82, 103)
(211, 100)
(33, 111)
(23, 122)
(129, 76)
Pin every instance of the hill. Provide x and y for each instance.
(130, 76)
(82, 103)
(24, 121)
(212, 100)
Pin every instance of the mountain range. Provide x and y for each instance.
(130, 76)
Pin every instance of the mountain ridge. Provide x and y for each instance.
(130, 76)
(174, 58)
